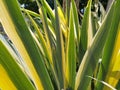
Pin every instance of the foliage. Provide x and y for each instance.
(53, 50)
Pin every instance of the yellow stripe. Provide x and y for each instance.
(11, 32)
(5, 82)
(114, 69)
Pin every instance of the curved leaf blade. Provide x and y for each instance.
(14, 72)
(25, 35)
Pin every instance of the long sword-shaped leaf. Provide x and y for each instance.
(45, 48)
(71, 54)
(77, 31)
(76, 21)
(5, 82)
(46, 29)
(8, 26)
(22, 32)
(48, 10)
(59, 58)
(113, 74)
(10, 67)
(110, 43)
(86, 30)
(42, 41)
(86, 33)
(39, 16)
(93, 53)
(63, 22)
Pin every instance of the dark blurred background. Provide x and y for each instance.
(31, 4)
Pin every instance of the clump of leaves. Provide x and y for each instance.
(52, 50)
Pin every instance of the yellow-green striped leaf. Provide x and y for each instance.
(23, 33)
(94, 52)
(86, 30)
(71, 54)
(13, 73)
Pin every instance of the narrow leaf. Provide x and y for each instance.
(107, 63)
(20, 28)
(104, 83)
(8, 26)
(10, 67)
(93, 53)
(86, 30)
(60, 60)
(46, 50)
(76, 21)
(71, 54)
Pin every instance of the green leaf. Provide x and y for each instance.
(8, 26)
(86, 30)
(76, 21)
(67, 10)
(93, 53)
(17, 76)
(48, 10)
(110, 44)
(59, 56)
(45, 49)
(28, 41)
(71, 54)
(104, 83)
(41, 40)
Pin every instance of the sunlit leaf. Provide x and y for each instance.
(93, 53)
(21, 32)
(17, 79)
(71, 56)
